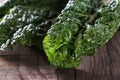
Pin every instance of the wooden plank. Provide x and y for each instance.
(36, 66)
(47, 69)
(66, 74)
(105, 65)
(29, 69)
(9, 68)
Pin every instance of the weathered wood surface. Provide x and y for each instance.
(25, 63)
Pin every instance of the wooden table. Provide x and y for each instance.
(26, 63)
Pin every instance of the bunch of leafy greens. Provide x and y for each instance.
(77, 34)
(26, 22)
(74, 29)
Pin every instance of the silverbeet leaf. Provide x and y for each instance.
(76, 35)
(22, 22)
(59, 42)
(28, 25)
(101, 32)
(49, 4)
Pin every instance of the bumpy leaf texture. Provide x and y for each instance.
(27, 22)
(75, 34)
